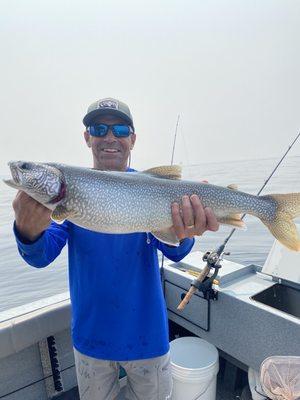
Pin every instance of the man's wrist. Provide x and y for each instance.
(24, 237)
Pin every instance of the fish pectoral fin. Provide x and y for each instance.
(166, 236)
(232, 186)
(165, 171)
(60, 214)
(234, 220)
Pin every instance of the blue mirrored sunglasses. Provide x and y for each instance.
(100, 130)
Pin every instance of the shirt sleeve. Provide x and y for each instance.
(176, 253)
(44, 249)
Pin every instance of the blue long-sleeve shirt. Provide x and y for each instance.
(118, 308)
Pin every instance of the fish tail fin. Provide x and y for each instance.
(282, 226)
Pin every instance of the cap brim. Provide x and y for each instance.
(88, 119)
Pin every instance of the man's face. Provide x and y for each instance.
(110, 152)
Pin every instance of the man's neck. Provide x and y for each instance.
(103, 168)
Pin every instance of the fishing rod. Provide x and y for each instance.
(174, 141)
(172, 159)
(214, 258)
(266, 182)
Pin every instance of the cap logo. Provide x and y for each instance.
(108, 104)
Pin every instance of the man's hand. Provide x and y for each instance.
(32, 218)
(192, 219)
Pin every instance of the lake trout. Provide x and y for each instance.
(127, 202)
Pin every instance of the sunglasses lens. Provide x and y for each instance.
(102, 129)
(121, 130)
(98, 130)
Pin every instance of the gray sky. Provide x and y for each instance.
(230, 68)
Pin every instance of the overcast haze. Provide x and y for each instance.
(229, 68)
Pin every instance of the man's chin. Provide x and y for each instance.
(110, 164)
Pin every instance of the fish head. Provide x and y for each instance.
(43, 182)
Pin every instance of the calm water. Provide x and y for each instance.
(21, 284)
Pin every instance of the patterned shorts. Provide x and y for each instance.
(148, 379)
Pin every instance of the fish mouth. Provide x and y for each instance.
(16, 174)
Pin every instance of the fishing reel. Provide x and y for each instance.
(213, 260)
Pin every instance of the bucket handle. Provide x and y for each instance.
(199, 395)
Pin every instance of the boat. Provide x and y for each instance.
(248, 312)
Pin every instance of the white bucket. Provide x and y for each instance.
(195, 365)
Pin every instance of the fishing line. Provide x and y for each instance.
(265, 184)
(172, 159)
(213, 258)
(174, 141)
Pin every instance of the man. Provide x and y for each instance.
(118, 311)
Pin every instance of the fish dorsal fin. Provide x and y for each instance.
(232, 186)
(165, 171)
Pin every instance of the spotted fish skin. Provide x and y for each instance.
(118, 202)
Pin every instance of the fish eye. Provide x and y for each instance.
(24, 165)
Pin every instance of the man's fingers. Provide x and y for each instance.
(17, 199)
(192, 218)
(177, 221)
(188, 213)
(23, 202)
(200, 216)
(212, 223)
(20, 194)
